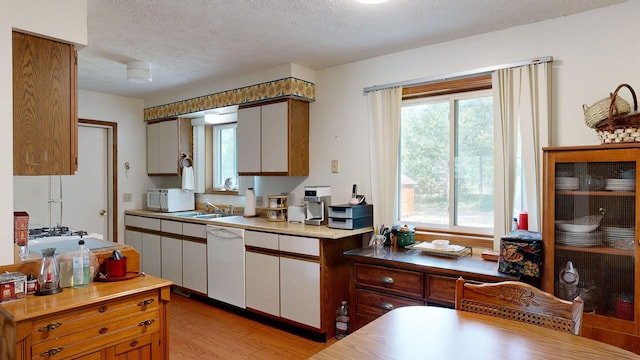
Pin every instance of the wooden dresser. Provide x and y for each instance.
(409, 277)
(107, 320)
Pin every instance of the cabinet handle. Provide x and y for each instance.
(50, 327)
(387, 280)
(145, 302)
(134, 343)
(146, 322)
(103, 330)
(387, 306)
(102, 308)
(51, 352)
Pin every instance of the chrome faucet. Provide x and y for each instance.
(214, 208)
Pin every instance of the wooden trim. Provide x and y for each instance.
(481, 82)
(114, 165)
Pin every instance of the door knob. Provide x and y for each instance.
(103, 212)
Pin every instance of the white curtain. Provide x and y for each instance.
(524, 108)
(384, 139)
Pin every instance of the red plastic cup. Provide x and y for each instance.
(523, 221)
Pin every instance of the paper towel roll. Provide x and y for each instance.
(250, 203)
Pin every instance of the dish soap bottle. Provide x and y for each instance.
(342, 321)
(81, 266)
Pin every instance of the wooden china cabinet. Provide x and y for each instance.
(590, 232)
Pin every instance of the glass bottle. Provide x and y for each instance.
(49, 275)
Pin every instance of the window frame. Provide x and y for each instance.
(217, 180)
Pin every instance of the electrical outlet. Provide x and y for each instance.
(335, 166)
(126, 197)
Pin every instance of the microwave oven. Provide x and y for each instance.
(169, 200)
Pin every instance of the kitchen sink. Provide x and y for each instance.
(199, 215)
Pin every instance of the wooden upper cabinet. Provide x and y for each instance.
(273, 139)
(45, 118)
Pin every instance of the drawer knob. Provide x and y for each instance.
(102, 308)
(387, 279)
(387, 306)
(145, 302)
(146, 322)
(134, 343)
(50, 327)
(51, 352)
(103, 330)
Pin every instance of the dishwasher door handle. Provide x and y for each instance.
(224, 234)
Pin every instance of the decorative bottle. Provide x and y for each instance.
(342, 320)
(81, 266)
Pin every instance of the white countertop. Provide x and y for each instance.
(260, 224)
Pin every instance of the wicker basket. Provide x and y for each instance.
(597, 114)
(620, 128)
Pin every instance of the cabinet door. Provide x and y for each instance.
(134, 239)
(275, 138)
(248, 146)
(300, 291)
(45, 121)
(262, 283)
(166, 140)
(194, 266)
(151, 254)
(590, 233)
(171, 256)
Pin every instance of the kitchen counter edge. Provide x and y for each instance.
(260, 224)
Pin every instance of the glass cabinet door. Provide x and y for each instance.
(590, 233)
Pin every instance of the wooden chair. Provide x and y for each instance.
(520, 302)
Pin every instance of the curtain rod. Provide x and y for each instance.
(461, 74)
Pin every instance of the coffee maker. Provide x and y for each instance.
(317, 199)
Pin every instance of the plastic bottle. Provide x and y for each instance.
(81, 266)
(342, 320)
(514, 225)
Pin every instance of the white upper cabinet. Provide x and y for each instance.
(167, 141)
(273, 139)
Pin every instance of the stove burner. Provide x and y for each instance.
(41, 232)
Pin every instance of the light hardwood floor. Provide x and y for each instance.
(201, 331)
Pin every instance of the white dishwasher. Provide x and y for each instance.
(225, 265)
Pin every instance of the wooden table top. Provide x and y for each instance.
(427, 332)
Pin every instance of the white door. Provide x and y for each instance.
(86, 194)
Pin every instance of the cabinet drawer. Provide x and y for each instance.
(142, 222)
(395, 281)
(99, 335)
(79, 320)
(374, 302)
(300, 245)
(132, 344)
(194, 230)
(260, 239)
(172, 227)
(441, 290)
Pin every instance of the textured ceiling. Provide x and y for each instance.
(200, 41)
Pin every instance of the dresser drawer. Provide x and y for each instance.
(79, 320)
(394, 281)
(374, 302)
(441, 290)
(98, 335)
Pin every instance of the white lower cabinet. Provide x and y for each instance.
(134, 239)
(172, 259)
(151, 254)
(194, 266)
(279, 283)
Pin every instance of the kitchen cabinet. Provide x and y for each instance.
(111, 320)
(173, 250)
(262, 272)
(273, 139)
(590, 223)
(45, 120)
(168, 141)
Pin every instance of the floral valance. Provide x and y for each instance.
(284, 88)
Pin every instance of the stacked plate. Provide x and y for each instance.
(567, 183)
(579, 239)
(620, 238)
(621, 185)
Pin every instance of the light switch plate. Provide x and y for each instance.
(126, 197)
(335, 166)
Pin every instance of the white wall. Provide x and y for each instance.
(65, 20)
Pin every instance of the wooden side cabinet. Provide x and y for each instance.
(112, 320)
(45, 119)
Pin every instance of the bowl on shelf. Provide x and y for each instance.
(582, 224)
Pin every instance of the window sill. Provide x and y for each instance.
(221, 192)
(472, 240)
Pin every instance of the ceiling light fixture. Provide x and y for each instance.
(138, 72)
